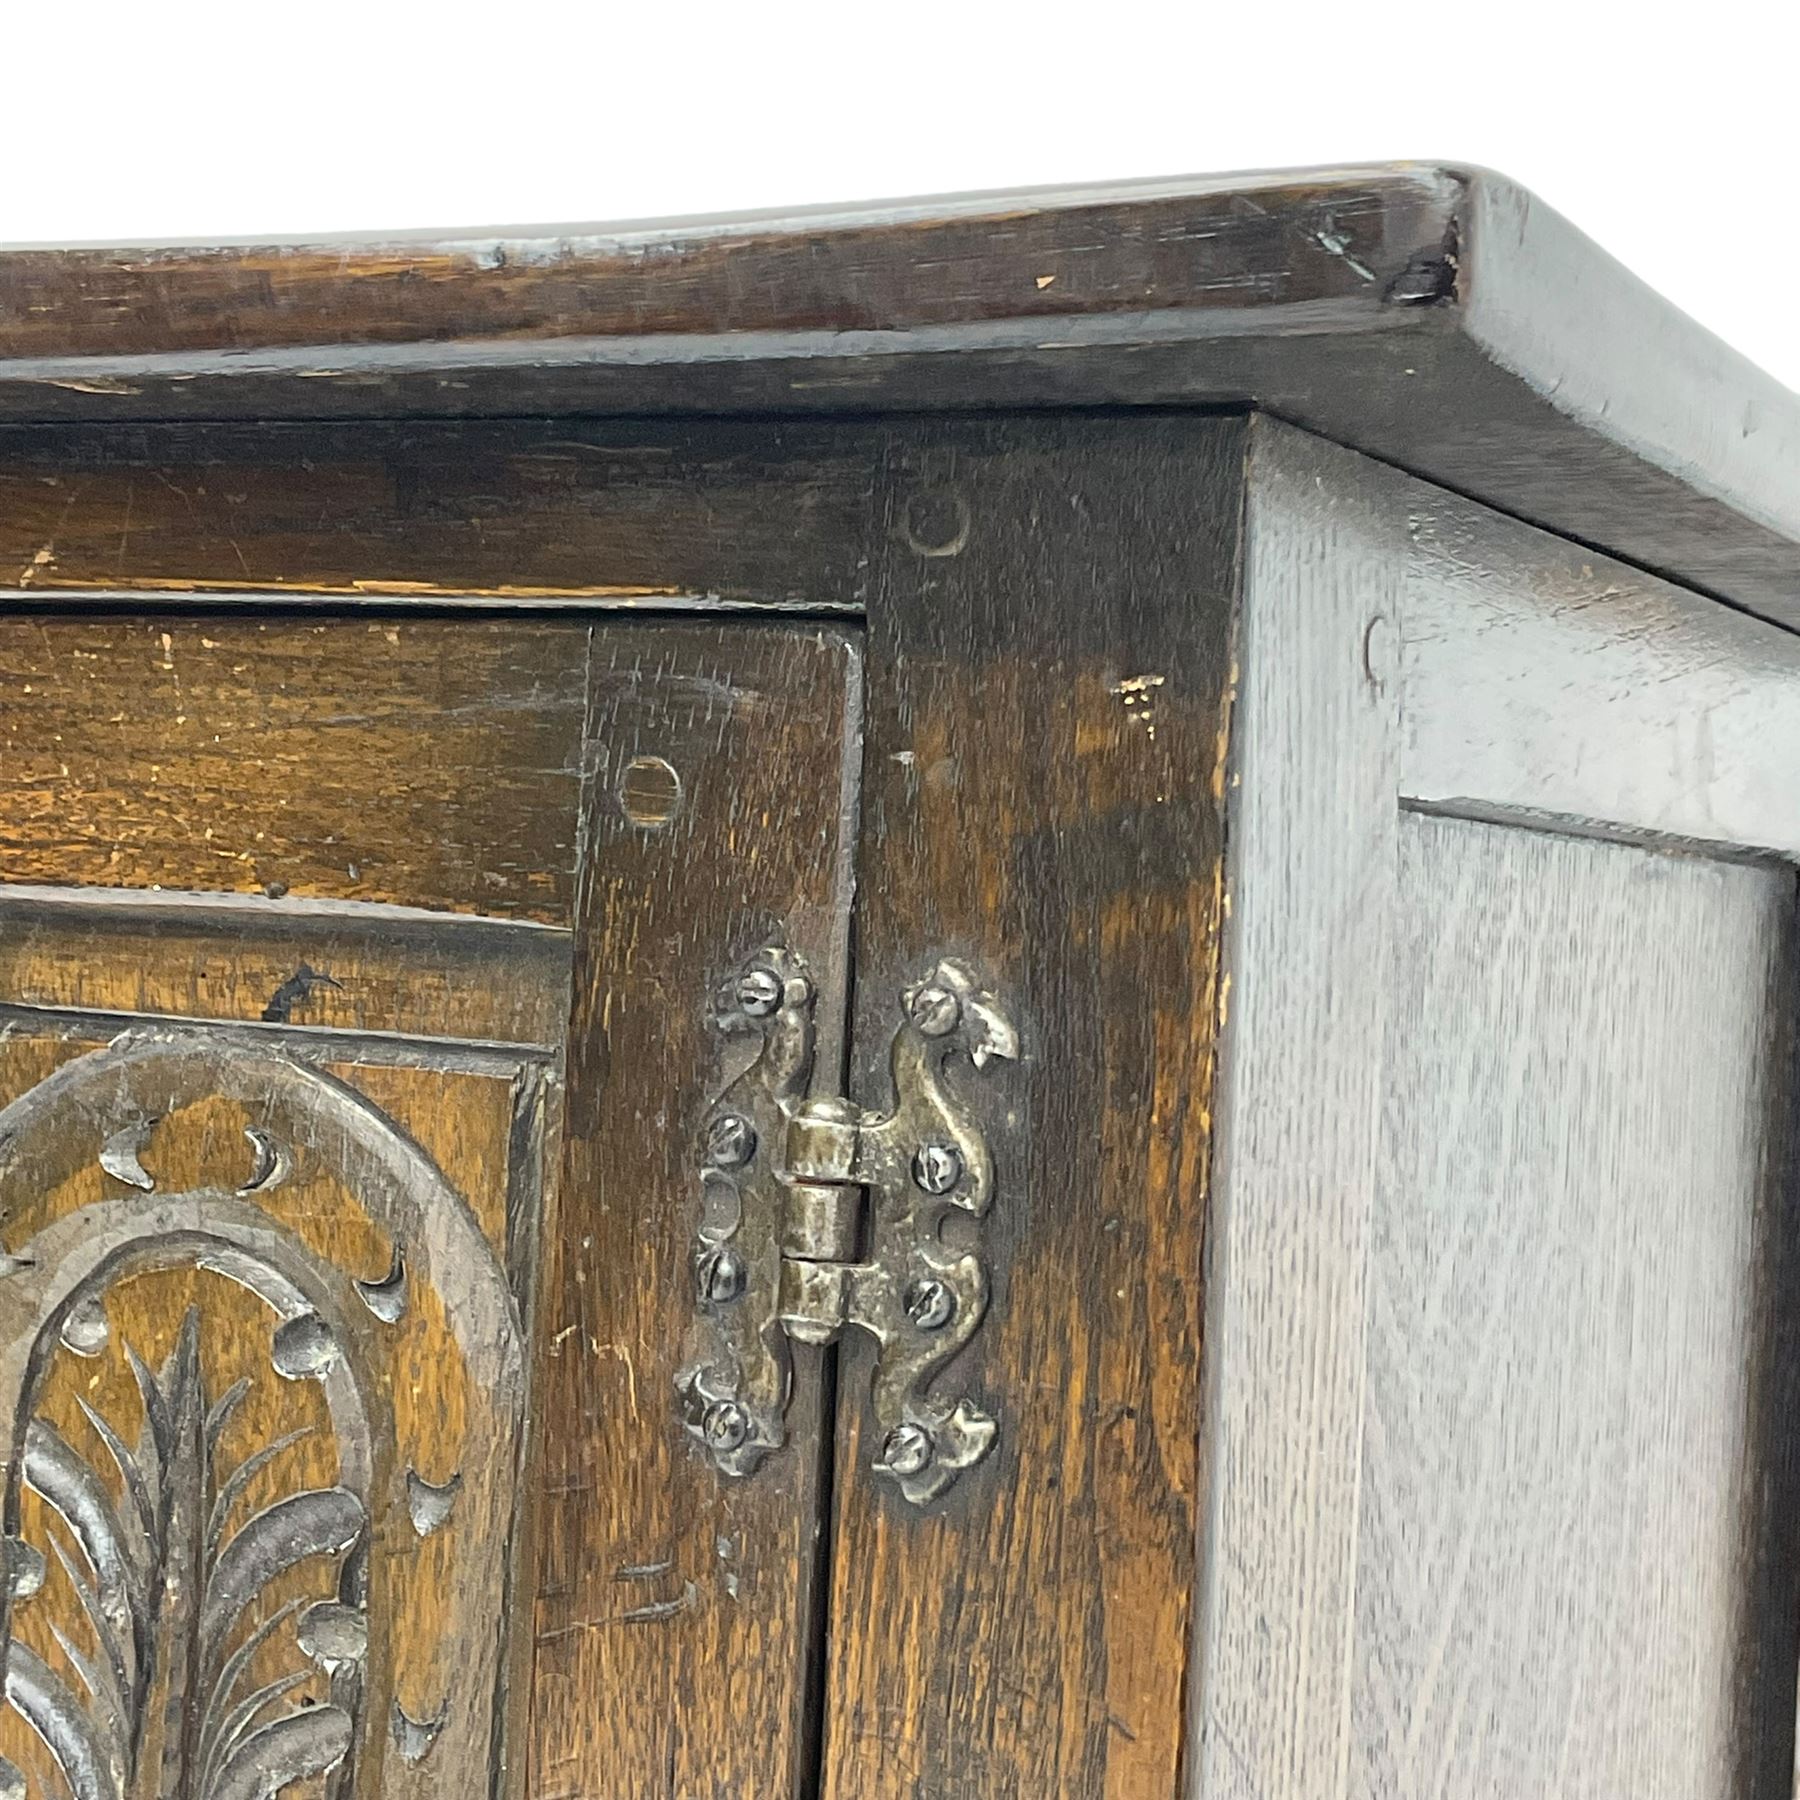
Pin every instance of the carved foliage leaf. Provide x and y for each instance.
(290, 1750)
(91, 1764)
(164, 1713)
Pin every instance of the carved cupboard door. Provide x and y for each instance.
(350, 1073)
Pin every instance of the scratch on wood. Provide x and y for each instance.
(296, 989)
(624, 1356)
(642, 1571)
(1337, 243)
(661, 1609)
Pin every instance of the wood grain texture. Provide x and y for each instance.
(673, 1609)
(522, 512)
(1563, 1490)
(403, 761)
(1130, 249)
(320, 967)
(1315, 748)
(1048, 684)
(1542, 679)
(1439, 319)
(351, 1238)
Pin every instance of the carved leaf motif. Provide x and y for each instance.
(88, 1762)
(302, 1744)
(316, 1523)
(174, 1623)
(163, 1712)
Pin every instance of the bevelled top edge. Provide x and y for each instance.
(911, 209)
(1255, 241)
(1435, 316)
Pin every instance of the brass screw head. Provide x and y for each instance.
(722, 1275)
(759, 992)
(725, 1427)
(935, 1009)
(930, 1304)
(937, 1168)
(730, 1141)
(907, 1450)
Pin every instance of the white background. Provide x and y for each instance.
(1669, 132)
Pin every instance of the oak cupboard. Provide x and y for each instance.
(984, 999)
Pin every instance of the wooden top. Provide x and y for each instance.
(1440, 319)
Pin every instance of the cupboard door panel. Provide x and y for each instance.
(345, 1456)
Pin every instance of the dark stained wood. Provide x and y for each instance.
(947, 263)
(1439, 319)
(417, 762)
(205, 1146)
(523, 513)
(1763, 1682)
(673, 1609)
(323, 967)
(1048, 688)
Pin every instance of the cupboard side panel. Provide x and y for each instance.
(1562, 1518)
(1307, 958)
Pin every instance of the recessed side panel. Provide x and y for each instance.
(1565, 1485)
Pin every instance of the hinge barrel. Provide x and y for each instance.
(822, 1224)
(815, 1300)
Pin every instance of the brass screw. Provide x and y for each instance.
(730, 1141)
(759, 992)
(930, 1304)
(937, 1168)
(725, 1427)
(722, 1276)
(907, 1451)
(935, 1009)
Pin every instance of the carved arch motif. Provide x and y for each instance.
(209, 1655)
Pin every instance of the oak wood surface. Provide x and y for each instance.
(1545, 680)
(718, 765)
(1438, 318)
(1139, 246)
(402, 761)
(673, 1609)
(1048, 676)
(1564, 1493)
(344, 1222)
(323, 967)
(437, 1613)
(419, 513)
(1465, 1446)
(1315, 755)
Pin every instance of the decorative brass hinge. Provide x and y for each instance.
(821, 1215)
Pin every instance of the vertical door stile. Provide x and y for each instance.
(675, 1608)
(1049, 684)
